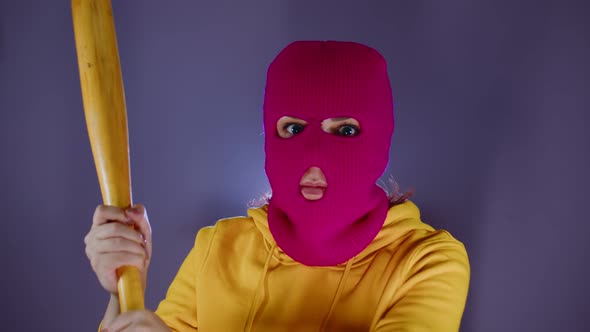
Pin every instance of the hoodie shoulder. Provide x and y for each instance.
(232, 226)
(405, 229)
(423, 241)
(226, 233)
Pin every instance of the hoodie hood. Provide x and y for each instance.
(400, 220)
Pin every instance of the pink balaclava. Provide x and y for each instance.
(314, 81)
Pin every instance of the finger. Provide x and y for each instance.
(106, 213)
(116, 229)
(118, 244)
(138, 214)
(111, 230)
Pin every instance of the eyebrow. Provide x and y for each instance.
(344, 118)
(292, 118)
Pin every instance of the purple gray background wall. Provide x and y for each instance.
(491, 103)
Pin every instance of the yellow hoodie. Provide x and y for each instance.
(236, 278)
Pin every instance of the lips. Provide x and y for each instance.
(312, 191)
(313, 184)
(313, 188)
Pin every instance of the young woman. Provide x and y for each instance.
(329, 251)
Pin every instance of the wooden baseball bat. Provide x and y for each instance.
(106, 119)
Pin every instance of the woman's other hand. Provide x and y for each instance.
(139, 320)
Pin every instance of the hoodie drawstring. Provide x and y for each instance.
(338, 293)
(259, 293)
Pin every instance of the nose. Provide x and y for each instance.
(313, 177)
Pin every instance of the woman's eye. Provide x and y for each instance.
(294, 128)
(348, 130)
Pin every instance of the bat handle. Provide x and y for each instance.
(129, 284)
(130, 289)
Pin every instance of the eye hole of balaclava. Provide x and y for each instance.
(288, 126)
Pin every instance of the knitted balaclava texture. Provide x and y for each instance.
(314, 81)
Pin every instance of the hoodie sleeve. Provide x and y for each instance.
(433, 296)
(179, 309)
